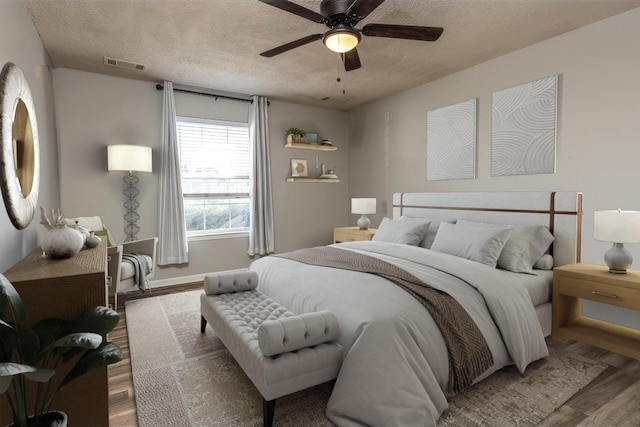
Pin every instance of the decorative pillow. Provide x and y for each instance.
(432, 232)
(434, 225)
(480, 244)
(409, 231)
(93, 223)
(544, 263)
(525, 246)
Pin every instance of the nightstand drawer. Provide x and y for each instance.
(347, 237)
(600, 292)
(352, 234)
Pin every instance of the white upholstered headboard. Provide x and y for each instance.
(561, 211)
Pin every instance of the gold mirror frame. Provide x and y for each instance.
(20, 153)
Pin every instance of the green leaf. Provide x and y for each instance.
(9, 369)
(40, 375)
(5, 382)
(104, 355)
(99, 320)
(71, 353)
(80, 339)
(9, 294)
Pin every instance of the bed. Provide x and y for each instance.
(396, 365)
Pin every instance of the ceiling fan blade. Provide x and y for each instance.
(291, 45)
(410, 32)
(362, 8)
(351, 60)
(296, 9)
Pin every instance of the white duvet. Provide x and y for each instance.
(395, 369)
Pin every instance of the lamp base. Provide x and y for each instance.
(618, 259)
(131, 205)
(363, 222)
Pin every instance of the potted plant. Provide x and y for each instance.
(295, 135)
(33, 354)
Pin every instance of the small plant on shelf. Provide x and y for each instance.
(295, 135)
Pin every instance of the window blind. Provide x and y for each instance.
(214, 166)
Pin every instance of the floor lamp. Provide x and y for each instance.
(130, 158)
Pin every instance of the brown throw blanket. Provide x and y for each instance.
(469, 354)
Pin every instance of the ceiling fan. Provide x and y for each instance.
(341, 16)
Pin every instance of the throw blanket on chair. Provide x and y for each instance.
(141, 268)
(469, 354)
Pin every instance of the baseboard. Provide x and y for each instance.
(174, 281)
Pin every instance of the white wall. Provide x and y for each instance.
(20, 44)
(95, 110)
(598, 145)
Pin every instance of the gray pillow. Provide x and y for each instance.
(480, 244)
(408, 231)
(525, 246)
(431, 231)
(544, 263)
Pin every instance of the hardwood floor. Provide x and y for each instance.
(611, 399)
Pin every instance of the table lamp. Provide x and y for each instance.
(619, 227)
(364, 207)
(130, 158)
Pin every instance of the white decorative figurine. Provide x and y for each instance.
(59, 241)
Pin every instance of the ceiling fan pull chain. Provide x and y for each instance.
(339, 79)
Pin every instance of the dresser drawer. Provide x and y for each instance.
(601, 292)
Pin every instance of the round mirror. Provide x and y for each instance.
(19, 156)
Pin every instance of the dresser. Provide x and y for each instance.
(63, 288)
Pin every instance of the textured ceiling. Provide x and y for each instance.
(216, 43)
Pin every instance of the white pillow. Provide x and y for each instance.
(432, 231)
(480, 244)
(408, 231)
(525, 246)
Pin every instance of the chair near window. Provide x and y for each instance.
(121, 275)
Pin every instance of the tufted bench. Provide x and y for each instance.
(279, 351)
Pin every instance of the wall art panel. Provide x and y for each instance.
(451, 142)
(523, 129)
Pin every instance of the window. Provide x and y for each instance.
(214, 165)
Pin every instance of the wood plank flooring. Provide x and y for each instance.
(611, 399)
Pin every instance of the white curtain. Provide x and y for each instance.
(261, 228)
(172, 232)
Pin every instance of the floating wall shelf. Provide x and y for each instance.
(311, 147)
(322, 180)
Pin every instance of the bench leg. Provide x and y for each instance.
(203, 324)
(268, 409)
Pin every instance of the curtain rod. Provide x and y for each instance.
(160, 87)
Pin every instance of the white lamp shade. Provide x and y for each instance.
(616, 226)
(341, 42)
(131, 158)
(363, 206)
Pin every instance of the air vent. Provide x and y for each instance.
(121, 63)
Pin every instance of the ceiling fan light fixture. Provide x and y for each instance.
(341, 38)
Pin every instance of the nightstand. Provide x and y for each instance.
(352, 234)
(574, 282)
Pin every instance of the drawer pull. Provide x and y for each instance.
(604, 294)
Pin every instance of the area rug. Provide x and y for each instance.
(184, 378)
